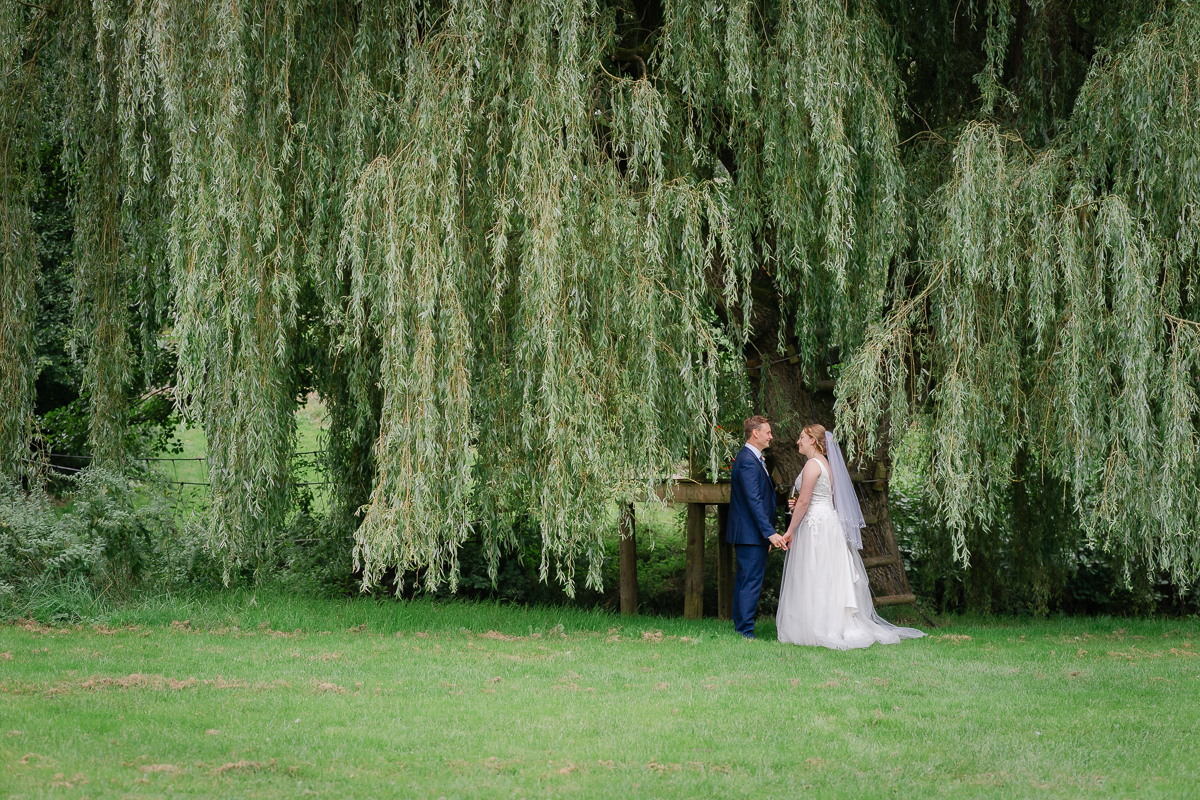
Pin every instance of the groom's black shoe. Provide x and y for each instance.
(750, 636)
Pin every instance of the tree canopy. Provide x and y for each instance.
(510, 242)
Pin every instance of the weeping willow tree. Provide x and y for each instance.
(508, 240)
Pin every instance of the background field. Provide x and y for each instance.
(186, 469)
(259, 695)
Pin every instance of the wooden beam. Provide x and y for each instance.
(879, 561)
(707, 493)
(895, 600)
(693, 567)
(724, 566)
(628, 559)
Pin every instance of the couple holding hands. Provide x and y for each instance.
(825, 599)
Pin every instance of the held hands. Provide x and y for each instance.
(780, 541)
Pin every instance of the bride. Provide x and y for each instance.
(825, 598)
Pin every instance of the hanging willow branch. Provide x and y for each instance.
(1064, 321)
(495, 233)
(512, 244)
(19, 183)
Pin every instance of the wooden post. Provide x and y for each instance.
(693, 565)
(628, 559)
(724, 566)
(693, 581)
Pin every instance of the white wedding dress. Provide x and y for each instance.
(825, 599)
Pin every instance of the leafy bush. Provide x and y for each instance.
(62, 561)
(313, 557)
(1039, 562)
(46, 558)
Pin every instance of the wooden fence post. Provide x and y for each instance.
(628, 559)
(724, 566)
(693, 581)
(693, 565)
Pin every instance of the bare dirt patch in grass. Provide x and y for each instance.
(138, 681)
(1138, 653)
(33, 626)
(153, 768)
(246, 766)
(322, 687)
(60, 781)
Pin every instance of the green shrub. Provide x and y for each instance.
(47, 559)
(1038, 562)
(116, 535)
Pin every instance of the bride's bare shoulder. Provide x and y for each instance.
(812, 467)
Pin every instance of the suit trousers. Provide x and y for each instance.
(747, 585)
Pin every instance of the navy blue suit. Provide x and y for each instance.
(749, 530)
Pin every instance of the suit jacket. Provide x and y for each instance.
(751, 501)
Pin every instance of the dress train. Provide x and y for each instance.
(825, 599)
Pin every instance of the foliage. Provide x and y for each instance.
(1053, 317)
(510, 241)
(518, 318)
(1035, 560)
(40, 548)
(113, 538)
(65, 409)
(59, 375)
(20, 135)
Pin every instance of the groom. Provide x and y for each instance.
(750, 529)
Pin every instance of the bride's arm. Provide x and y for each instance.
(808, 479)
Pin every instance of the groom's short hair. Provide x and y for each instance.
(754, 423)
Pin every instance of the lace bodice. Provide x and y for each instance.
(822, 494)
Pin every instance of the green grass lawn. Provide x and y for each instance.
(245, 695)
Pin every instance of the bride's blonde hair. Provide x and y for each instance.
(817, 432)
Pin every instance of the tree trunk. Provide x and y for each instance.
(628, 562)
(782, 395)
